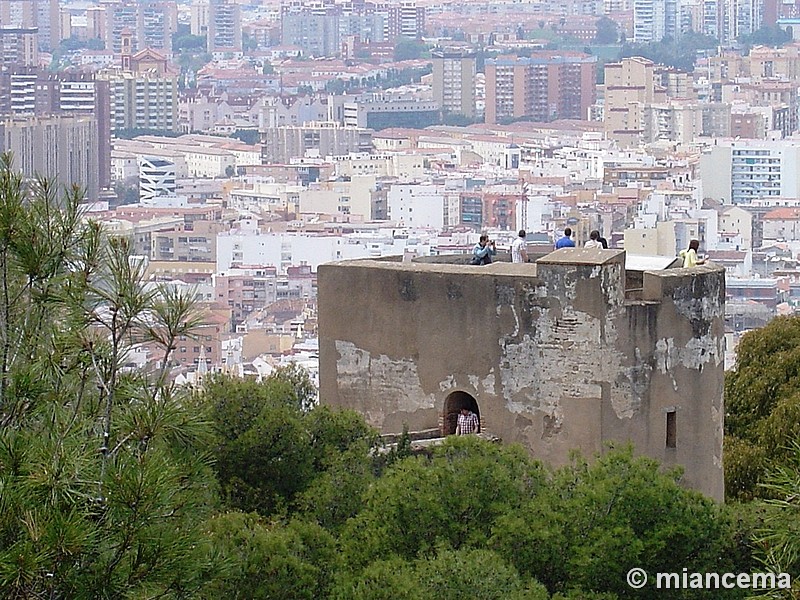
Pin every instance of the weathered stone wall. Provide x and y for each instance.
(554, 354)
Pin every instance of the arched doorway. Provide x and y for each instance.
(453, 404)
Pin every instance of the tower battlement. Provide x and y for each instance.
(568, 353)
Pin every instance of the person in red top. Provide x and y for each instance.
(467, 422)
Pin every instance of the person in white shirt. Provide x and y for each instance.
(594, 240)
(519, 254)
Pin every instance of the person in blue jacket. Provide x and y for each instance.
(566, 241)
(483, 251)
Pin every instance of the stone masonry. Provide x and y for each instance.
(556, 355)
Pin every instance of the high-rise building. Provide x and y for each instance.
(58, 147)
(224, 27)
(151, 23)
(630, 85)
(19, 34)
(48, 20)
(543, 87)
(18, 14)
(198, 23)
(318, 35)
(407, 20)
(738, 171)
(655, 19)
(156, 22)
(96, 23)
(740, 17)
(144, 101)
(454, 72)
(121, 15)
(36, 92)
(143, 92)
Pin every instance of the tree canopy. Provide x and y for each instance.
(762, 400)
(607, 31)
(680, 52)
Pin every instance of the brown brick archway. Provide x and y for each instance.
(453, 404)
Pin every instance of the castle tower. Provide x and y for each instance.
(569, 353)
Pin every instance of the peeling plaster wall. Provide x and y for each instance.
(555, 356)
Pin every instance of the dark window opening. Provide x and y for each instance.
(672, 430)
(452, 407)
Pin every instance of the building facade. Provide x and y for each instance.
(58, 147)
(740, 171)
(224, 28)
(544, 87)
(282, 144)
(630, 85)
(454, 71)
(156, 178)
(37, 92)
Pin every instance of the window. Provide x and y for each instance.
(672, 430)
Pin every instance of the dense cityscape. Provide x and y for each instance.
(242, 145)
(177, 176)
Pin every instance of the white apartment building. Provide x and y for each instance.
(740, 171)
(401, 165)
(282, 250)
(124, 165)
(740, 17)
(650, 20)
(416, 205)
(208, 162)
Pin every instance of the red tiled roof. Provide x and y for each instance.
(784, 213)
(726, 255)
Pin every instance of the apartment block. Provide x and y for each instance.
(407, 20)
(282, 144)
(198, 17)
(454, 71)
(59, 147)
(381, 110)
(246, 289)
(544, 87)
(144, 92)
(143, 101)
(630, 85)
(416, 205)
(224, 28)
(318, 35)
(37, 92)
(740, 171)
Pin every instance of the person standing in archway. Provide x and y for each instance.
(467, 422)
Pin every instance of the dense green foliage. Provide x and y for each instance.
(104, 472)
(762, 399)
(408, 49)
(680, 52)
(768, 35)
(762, 441)
(607, 31)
